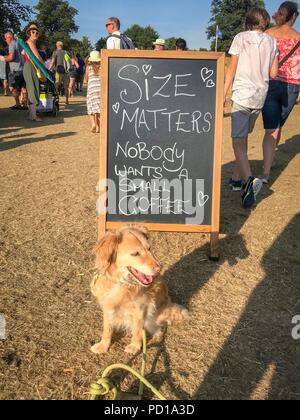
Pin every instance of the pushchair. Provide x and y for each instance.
(49, 99)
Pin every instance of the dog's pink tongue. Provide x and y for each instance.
(143, 278)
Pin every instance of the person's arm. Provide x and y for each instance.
(35, 52)
(230, 75)
(52, 62)
(9, 58)
(86, 75)
(274, 68)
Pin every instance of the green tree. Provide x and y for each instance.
(82, 47)
(171, 43)
(101, 44)
(142, 37)
(56, 18)
(230, 16)
(12, 13)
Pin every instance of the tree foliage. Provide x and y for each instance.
(56, 18)
(142, 37)
(12, 13)
(101, 44)
(171, 43)
(82, 47)
(230, 16)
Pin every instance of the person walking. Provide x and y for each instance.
(16, 80)
(80, 73)
(73, 72)
(30, 72)
(61, 62)
(3, 74)
(92, 75)
(284, 91)
(254, 60)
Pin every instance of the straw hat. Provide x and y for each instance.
(95, 57)
(161, 42)
(33, 27)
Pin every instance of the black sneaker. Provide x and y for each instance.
(236, 185)
(251, 190)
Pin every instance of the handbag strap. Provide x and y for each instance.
(284, 60)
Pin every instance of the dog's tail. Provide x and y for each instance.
(172, 314)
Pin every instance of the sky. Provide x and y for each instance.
(187, 19)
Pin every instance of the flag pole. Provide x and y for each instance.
(217, 31)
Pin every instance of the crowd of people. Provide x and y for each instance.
(264, 76)
(20, 75)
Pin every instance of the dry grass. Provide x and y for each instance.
(237, 343)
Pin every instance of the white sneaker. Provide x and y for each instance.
(257, 186)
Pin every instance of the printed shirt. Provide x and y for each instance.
(256, 52)
(17, 64)
(290, 71)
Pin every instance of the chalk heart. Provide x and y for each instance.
(116, 107)
(202, 199)
(147, 68)
(206, 74)
(210, 84)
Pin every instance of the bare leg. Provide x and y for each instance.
(71, 87)
(32, 113)
(237, 174)
(97, 119)
(105, 343)
(24, 97)
(93, 122)
(16, 94)
(271, 140)
(5, 87)
(240, 147)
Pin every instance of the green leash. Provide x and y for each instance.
(105, 387)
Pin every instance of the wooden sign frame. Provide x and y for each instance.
(214, 228)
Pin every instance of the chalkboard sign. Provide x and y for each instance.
(161, 134)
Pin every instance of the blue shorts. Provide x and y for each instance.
(281, 99)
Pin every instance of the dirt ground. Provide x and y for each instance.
(238, 342)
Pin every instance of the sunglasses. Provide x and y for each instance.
(35, 32)
(108, 24)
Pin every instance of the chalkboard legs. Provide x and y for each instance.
(214, 247)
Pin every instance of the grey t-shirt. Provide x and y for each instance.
(59, 56)
(17, 64)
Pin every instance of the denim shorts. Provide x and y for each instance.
(281, 99)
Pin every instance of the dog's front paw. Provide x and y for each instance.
(133, 349)
(100, 348)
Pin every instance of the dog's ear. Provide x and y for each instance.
(140, 228)
(106, 251)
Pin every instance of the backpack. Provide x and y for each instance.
(66, 67)
(126, 43)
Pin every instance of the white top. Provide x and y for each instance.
(256, 52)
(114, 43)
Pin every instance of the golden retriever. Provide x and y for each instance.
(129, 288)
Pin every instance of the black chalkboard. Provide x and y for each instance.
(161, 128)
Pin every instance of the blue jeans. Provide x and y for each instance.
(281, 99)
